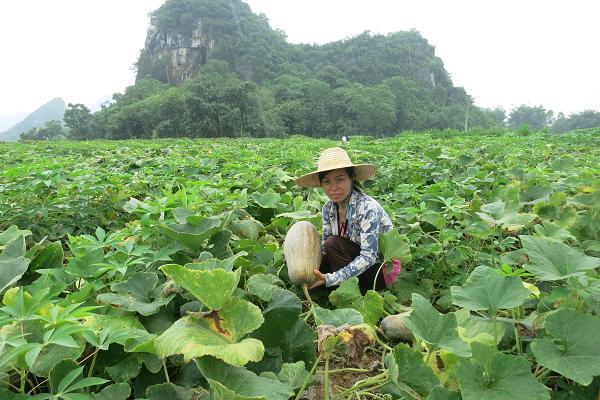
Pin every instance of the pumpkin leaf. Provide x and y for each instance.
(490, 374)
(439, 331)
(485, 289)
(406, 365)
(232, 383)
(550, 260)
(394, 245)
(293, 374)
(211, 287)
(263, 285)
(266, 200)
(218, 333)
(338, 317)
(573, 346)
(194, 233)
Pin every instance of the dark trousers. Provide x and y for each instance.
(339, 251)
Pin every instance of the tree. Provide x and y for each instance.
(52, 130)
(536, 118)
(78, 118)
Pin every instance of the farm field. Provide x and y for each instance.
(154, 269)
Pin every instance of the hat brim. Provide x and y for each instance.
(362, 172)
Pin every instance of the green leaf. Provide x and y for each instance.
(486, 289)
(193, 235)
(437, 330)
(213, 288)
(266, 200)
(293, 374)
(49, 258)
(59, 371)
(117, 391)
(550, 260)
(11, 234)
(139, 293)
(338, 317)
(573, 347)
(348, 295)
(11, 270)
(441, 393)
(263, 285)
(286, 337)
(217, 333)
(406, 365)
(393, 245)
(169, 391)
(14, 249)
(491, 374)
(228, 382)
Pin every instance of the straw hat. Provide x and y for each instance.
(334, 158)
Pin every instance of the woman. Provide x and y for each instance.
(352, 222)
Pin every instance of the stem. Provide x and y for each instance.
(517, 335)
(326, 382)
(306, 294)
(541, 371)
(164, 362)
(310, 312)
(495, 330)
(543, 374)
(377, 275)
(335, 371)
(310, 374)
(429, 353)
(23, 374)
(91, 371)
(385, 346)
(372, 382)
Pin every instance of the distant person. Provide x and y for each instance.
(352, 223)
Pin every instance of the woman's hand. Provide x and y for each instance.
(320, 279)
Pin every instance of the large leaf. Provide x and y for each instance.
(50, 257)
(406, 365)
(118, 391)
(140, 293)
(393, 245)
(266, 200)
(573, 350)
(550, 260)
(11, 270)
(263, 285)
(218, 333)
(212, 287)
(169, 391)
(338, 317)
(492, 375)
(286, 337)
(348, 295)
(229, 383)
(486, 289)
(506, 215)
(193, 235)
(437, 330)
(293, 374)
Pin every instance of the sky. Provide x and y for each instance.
(504, 53)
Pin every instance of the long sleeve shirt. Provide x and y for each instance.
(366, 221)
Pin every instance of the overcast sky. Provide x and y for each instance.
(504, 53)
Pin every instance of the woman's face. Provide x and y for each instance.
(337, 185)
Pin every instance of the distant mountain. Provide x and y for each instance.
(54, 109)
(8, 121)
(107, 99)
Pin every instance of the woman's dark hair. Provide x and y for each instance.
(350, 171)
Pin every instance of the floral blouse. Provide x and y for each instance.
(366, 221)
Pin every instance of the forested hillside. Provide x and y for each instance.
(212, 68)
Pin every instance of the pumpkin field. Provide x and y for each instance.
(154, 269)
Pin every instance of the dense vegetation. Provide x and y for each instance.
(153, 269)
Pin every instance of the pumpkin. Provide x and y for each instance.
(394, 327)
(302, 252)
